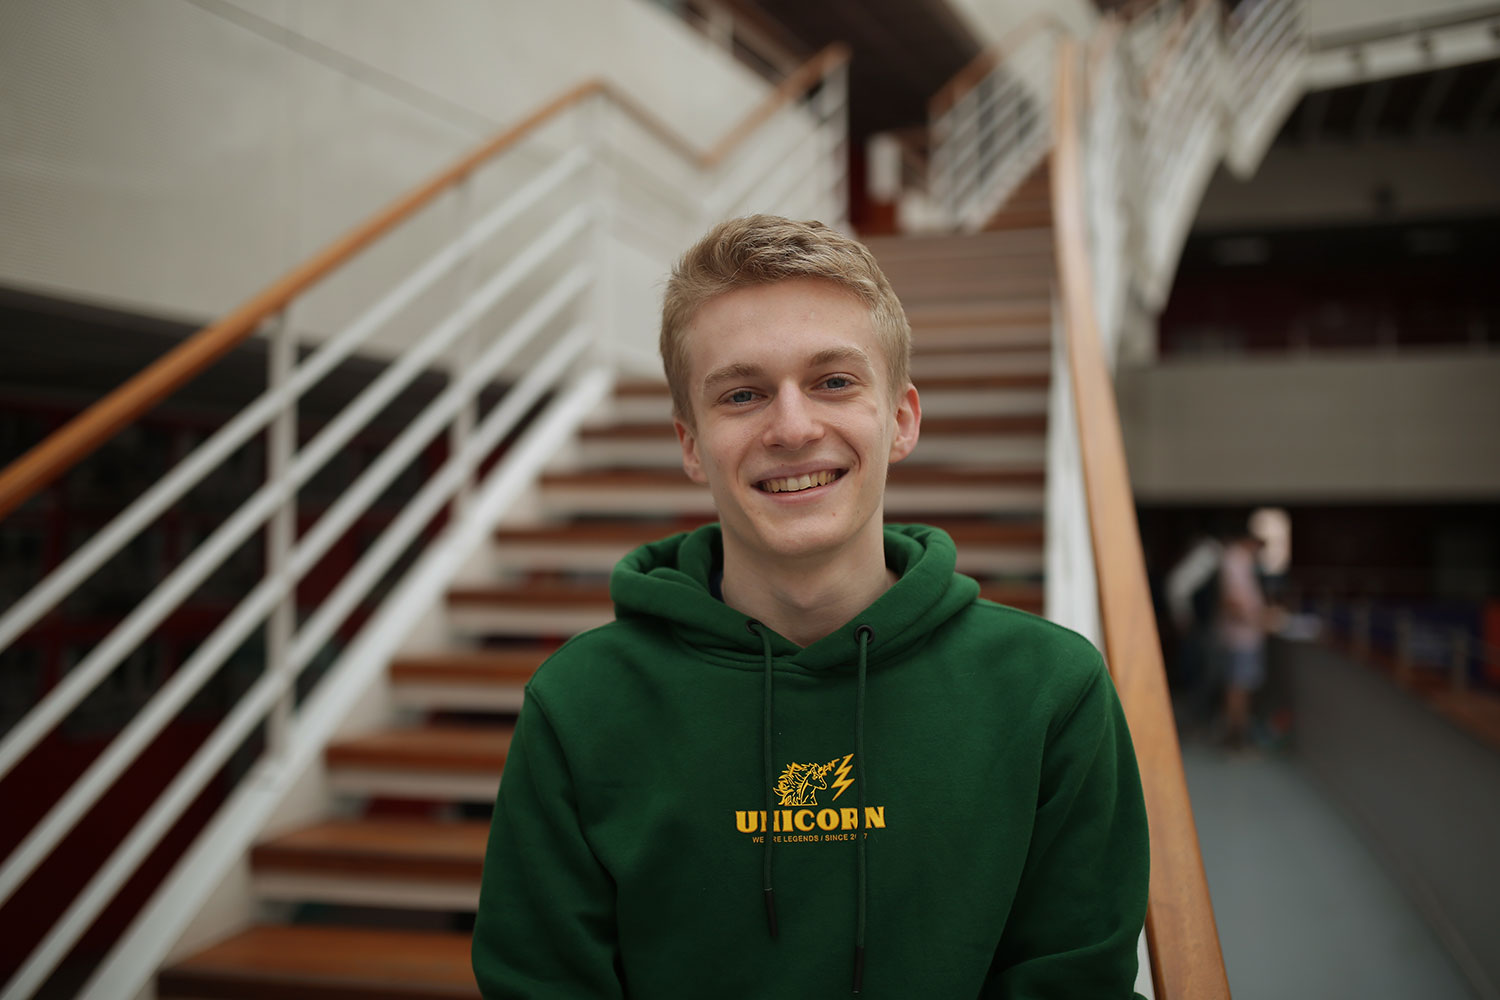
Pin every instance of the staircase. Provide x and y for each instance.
(382, 899)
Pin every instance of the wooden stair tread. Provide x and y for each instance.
(902, 474)
(993, 350)
(326, 963)
(394, 847)
(1021, 423)
(426, 748)
(507, 665)
(991, 312)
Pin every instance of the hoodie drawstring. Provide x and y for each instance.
(864, 634)
(767, 890)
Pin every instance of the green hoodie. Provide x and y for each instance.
(991, 775)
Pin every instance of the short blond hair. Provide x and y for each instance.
(760, 250)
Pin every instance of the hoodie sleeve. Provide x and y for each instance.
(546, 919)
(1078, 911)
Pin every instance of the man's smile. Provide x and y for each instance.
(795, 484)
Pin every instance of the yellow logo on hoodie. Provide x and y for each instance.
(799, 785)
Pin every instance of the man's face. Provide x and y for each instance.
(796, 423)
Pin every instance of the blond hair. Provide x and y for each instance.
(760, 250)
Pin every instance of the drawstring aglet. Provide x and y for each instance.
(859, 968)
(770, 896)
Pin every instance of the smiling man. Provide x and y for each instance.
(806, 759)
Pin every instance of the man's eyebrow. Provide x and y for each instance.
(837, 354)
(749, 372)
(731, 373)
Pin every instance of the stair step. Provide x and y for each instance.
(1020, 217)
(547, 608)
(930, 316)
(378, 861)
(429, 762)
(1034, 359)
(915, 492)
(915, 290)
(984, 547)
(513, 610)
(480, 679)
(326, 963)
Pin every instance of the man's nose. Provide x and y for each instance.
(791, 421)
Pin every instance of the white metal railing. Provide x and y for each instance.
(995, 134)
(1172, 93)
(537, 310)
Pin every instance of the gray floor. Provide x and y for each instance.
(1303, 908)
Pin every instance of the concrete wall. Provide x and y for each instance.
(174, 156)
(1413, 426)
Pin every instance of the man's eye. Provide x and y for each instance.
(741, 396)
(837, 382)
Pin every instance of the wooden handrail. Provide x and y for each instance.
(802, 80)
(980, 66)
(1186, 960)
(81, 436)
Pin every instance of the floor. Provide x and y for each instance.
(1303, 908)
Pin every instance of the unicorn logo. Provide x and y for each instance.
(800, 784)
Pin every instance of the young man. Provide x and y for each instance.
(806, 759)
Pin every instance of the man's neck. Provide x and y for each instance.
(809, 599)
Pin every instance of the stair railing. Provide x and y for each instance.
(1186, 85)
(991, 125)
(602, 183)
(1181, 936)
(1166, 96)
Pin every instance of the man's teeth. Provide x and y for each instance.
(791, 484)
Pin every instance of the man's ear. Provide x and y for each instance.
(689, 441)
(908, 423)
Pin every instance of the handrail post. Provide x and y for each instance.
(465, 350)
(832, 107)
(281, 528)
(592, 125)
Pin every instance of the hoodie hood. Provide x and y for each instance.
(669, 580)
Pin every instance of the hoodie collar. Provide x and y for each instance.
(669, 581)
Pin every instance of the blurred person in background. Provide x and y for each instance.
(1240, 631)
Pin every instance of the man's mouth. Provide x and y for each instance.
(793, 484)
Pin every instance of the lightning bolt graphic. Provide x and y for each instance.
(842, 781)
